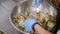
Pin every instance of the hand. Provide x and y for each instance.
(28, 24)
(31, 22)
(35, 2)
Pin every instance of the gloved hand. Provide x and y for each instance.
(35, 2)
(28, 24)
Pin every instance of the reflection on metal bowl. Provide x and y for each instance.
(25, 8)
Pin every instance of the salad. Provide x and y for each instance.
(44, 19)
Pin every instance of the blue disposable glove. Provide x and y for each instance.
(35, 2)
(28, 24)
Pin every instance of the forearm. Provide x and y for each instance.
(40, 30)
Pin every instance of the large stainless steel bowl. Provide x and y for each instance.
(20, 8)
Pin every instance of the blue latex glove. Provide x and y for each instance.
(35, 2)
(28, 24)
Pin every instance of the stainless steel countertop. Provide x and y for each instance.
(5, 9)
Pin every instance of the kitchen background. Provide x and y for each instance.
(6, 7)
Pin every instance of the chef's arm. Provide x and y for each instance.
(40, 30)
(32, 25)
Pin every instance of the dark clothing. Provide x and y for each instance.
(57, 26)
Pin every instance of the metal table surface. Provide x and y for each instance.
(6, 7)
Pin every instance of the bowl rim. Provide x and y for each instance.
(3, 31)
(15, 26)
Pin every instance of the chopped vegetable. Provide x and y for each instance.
(44, 19)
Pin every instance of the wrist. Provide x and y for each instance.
(35, 25)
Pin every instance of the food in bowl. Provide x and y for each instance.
(44, 19)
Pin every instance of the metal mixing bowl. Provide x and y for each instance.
(20, 8)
